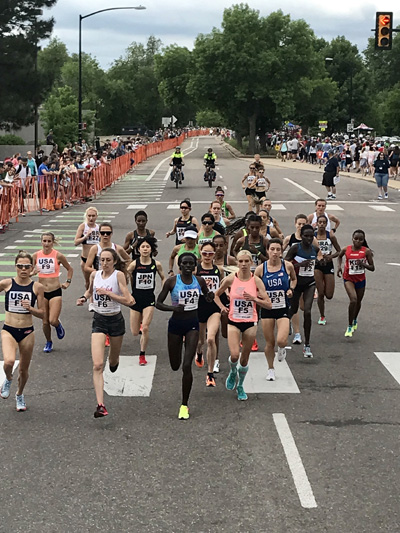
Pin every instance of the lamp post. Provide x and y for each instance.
(81, 17)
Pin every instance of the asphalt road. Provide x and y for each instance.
(141, 469)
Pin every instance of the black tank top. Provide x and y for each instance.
(137, 238)
(293, 240)
(144, 277)
(181, 226)
(212, 277)
(16, 295)
(259, 247)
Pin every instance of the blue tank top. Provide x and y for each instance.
(306, 273)
(276, 284)
(16, 295)
(186, 295)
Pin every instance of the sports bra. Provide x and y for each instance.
(47, 264)
(18, 294)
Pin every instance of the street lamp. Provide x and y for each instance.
(138, 8)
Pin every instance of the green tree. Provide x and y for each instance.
(209, 118)
(172, 70)
(21, 29)
(51, 60)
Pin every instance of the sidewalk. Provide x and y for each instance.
(272, 162)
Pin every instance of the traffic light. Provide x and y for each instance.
(383, 31)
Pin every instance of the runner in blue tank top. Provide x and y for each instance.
(303, 256)
(185, 292)
(279, 279)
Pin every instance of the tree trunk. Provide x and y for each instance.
(263, 141)
(252, 133)
(239, 140)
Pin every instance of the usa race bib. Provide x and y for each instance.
(278, 299)
(15, 299)
(189, 299)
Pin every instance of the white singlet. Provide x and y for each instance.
(103, 304)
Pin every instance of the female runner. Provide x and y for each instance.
(143, 272)
(267, 229)
(359, 258)
(21, 295)
(93, 258)
(263, 185)
(254, 242)
(279, 279)
(227, 209)
(245, 292)
(216, 210)
(324, 270)
(303, 255)
(181, 223)
(109, 291)
(134, 237)
(185, 289)
(87, 234)
(209, 313)
(267, 205)
(47, 263)
(189, 246)
(207, 231)
(249, 184)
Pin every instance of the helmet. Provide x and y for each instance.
(210, 150)
(177, 148)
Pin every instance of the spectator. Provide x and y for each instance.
(32, 164)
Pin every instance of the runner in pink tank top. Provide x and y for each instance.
(245, 292)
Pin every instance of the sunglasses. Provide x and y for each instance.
(105, 232)
(220, 195)
(207, 253)
(208, 223)
(252, 168)
(23, 266)
(184, 207)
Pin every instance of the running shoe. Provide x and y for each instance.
(100, 411)
(5, 389)
(113, 368)
(210, 381)
(60, 331)
(241, 395)
(386, 196)
(231, 380)
(142, 360)
(349, 331)
(307, 351)
(254, 348)
(322, 321)
(329, 197)
(296, 338)
(107, 343)
(380, 197)
(183, 412)
(216, 367)
(281, 354)
(199, 360)
(21, 405)
(271, 374)
(333, 196)
(355, 325)
(49, 347)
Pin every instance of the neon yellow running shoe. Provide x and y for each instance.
(183, 413)
(349, 332)
(355, 325)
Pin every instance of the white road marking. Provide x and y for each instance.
(302, 188)
(20, 241)
(130, 379)
(394, 264)
(391, 361)
(317, 181)
(334, 207)
(381, 208)
(2, 254)
(303, 487)
(156, 168)
(3, 376)
(167, 175)
(72, 255)
(10, 247)
(256, 382)
(137, 206)
(207, 202)
(174, 206)
(278, 207)
(225, 187)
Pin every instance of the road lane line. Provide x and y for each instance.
(394, 264)
(256, 382)
(156, 168)
(295, 463)
(391, 361)
(131, 379)
(302, 188)
(380, 208)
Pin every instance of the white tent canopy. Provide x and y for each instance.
(363, 126)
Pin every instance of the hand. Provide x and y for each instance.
(291, 293)
(80, 301)
(209, 297)
(180, 308)
(132, 301)
(167, 235)
(247, 296)
(253, 249)
(170, 273)
(339, 273)
(225, 310)
(65, 285)
(26, 305)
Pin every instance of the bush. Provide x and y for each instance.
(11, 139)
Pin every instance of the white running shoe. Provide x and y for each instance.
(386, 196)
(21, 405)
(297, 338)
(216, 367)
(5, 388)
(281, 354)
(271, 374)
(307, 351)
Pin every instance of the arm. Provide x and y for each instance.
(340, 257)
(226, 284)
(89, 292)
(88, 267)
(168, 287)
(336, 221)
(293, 278)
(78, 237)
(209, 296)
(310, 219)
(174, 253)
(243, 180)
(169, 233)
(238, 245)
(195, 222)
(262, 299)
(274, 233)
(231, 212)
(68, 267)
(40, 311)
(335, 244)
(278, 229)
(291, 254)
(124, 256)
(370, 258)
(160, 271)
(127, 244)
(286, 243)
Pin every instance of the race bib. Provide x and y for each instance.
(212, 283)
(261, 182)
(180, 232)
(242, 310)
(46, 265)
(15, 299)
(93, 238)
(307, 271)
(145, 280)
(356, 267)
(255, 262)
(250, 179)
(189, 299)
(278, 299)
(325, 247)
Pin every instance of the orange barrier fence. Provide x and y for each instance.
(55, 191)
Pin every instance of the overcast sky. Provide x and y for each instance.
(107, 35)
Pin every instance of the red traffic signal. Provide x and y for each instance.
(383, 31)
